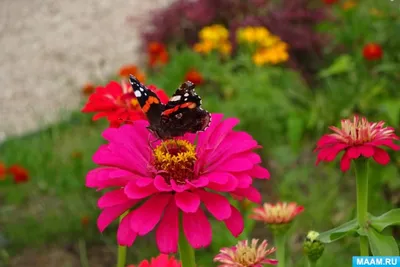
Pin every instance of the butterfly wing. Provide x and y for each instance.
(183, 112)
(148, 101)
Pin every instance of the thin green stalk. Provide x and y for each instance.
(280, 243)
(121, 258)
(186, 252)
(361, 169)
(312, 263)
(82, 253)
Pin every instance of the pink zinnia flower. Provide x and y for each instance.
(245, 255)
(279, 213)
(161, 261)
(357, 138)
(157, 181)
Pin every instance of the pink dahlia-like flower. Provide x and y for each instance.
(160, 261)
(357, 138)
(279, 213)
(245, 255)
(156, 181)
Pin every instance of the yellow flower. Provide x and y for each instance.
(225, 48)
(261, 34)
(247, 35)
(204, 47)
(349, 5)
(271, 55)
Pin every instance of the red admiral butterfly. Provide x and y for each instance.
(182, 114)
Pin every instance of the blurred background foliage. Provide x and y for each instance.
(343, 59)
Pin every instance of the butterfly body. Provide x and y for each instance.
(182, 114)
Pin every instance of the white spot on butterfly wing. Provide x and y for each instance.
(138, 94)
(186, 95)
(176, 98)
(141, 89)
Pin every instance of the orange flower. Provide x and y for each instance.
(349, 5)
(3, 171)
(158, 54)
(88, 89)
(279, 213)
(19, 173)
(372, 51)
(126, 70)
(194, 76)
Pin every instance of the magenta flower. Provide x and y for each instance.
(156, 181)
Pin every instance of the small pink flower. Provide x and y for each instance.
(157, 181)
(357, 138)
(245, 255)
(279, 213)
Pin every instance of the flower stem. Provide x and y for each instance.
(361, 169)
(312, 263)
(121, 260)
(82, 253)
(280, 243)
(186, 252)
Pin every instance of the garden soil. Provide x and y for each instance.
(50, 48)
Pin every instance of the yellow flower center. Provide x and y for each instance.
(175, 159)
(246, 255)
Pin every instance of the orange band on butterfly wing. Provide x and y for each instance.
(149, 102)
(190, 105)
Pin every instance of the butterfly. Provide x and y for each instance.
(182, 114)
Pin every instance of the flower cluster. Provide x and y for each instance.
(19, 173)
(372, 51)
(118, 103)
(213, 38)
(279, 213)
(156, 182)
(157, 53)
(270, 49)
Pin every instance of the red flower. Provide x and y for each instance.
(117, 103)
(357, 138)
(126, 70)
(158, 54)
(160, 261)
(19, 174)
(85, 220)
(194, 76)
(372, 51)
(330, 2)
(3, 171)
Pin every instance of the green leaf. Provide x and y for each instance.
(339, 232)
(295, 130)
(382, 245)
(392, 110)
(389, 218)
(342, 64)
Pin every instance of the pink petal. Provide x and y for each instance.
(167, 233)
(345, 162)
(244, 180)
(187, 201)
(353, 152)
(179, 187)
(161, 185)
(381, 156)
(234, 165)
(202, 181)
(133, 191)
(112, 198)
(102, 178)
(146, 217)
(250, 193)
(221, 131)
(229, 186)
(204, 136)
(259, 172)
(108, 215)
(386, 142)
(125, 235)
(218, 177)
(235, 223)
(366, 151)
(197, 229)
(216, 204)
